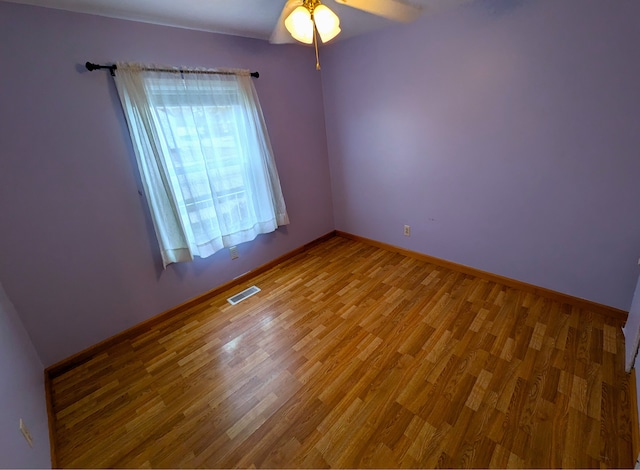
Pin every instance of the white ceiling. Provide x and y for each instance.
(248, 18)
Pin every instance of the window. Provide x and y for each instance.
(204, 156)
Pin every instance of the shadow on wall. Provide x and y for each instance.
(22, 394)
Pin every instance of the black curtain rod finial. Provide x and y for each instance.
(91, 67)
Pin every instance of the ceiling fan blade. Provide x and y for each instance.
(396, 10)
(280, 35)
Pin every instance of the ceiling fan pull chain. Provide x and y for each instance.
(315, 41)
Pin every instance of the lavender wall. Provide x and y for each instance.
(21, 394)
(506, 133)
(77, 252)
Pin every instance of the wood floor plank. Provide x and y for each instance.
(354, 356)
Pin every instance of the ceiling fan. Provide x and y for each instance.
(306, 20)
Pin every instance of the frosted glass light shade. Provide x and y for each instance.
(299, 24)
(327, 22)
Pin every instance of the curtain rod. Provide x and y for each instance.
(91, 67)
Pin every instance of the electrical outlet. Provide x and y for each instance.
(25, 432)
(233, 251)
(407, 230)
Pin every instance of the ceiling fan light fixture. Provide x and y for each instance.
(300, 25)
(300, 22)
(327, 22)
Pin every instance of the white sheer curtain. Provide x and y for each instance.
(204, 155)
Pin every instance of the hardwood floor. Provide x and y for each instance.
(353, 356)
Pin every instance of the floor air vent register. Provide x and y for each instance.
(245, 294)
